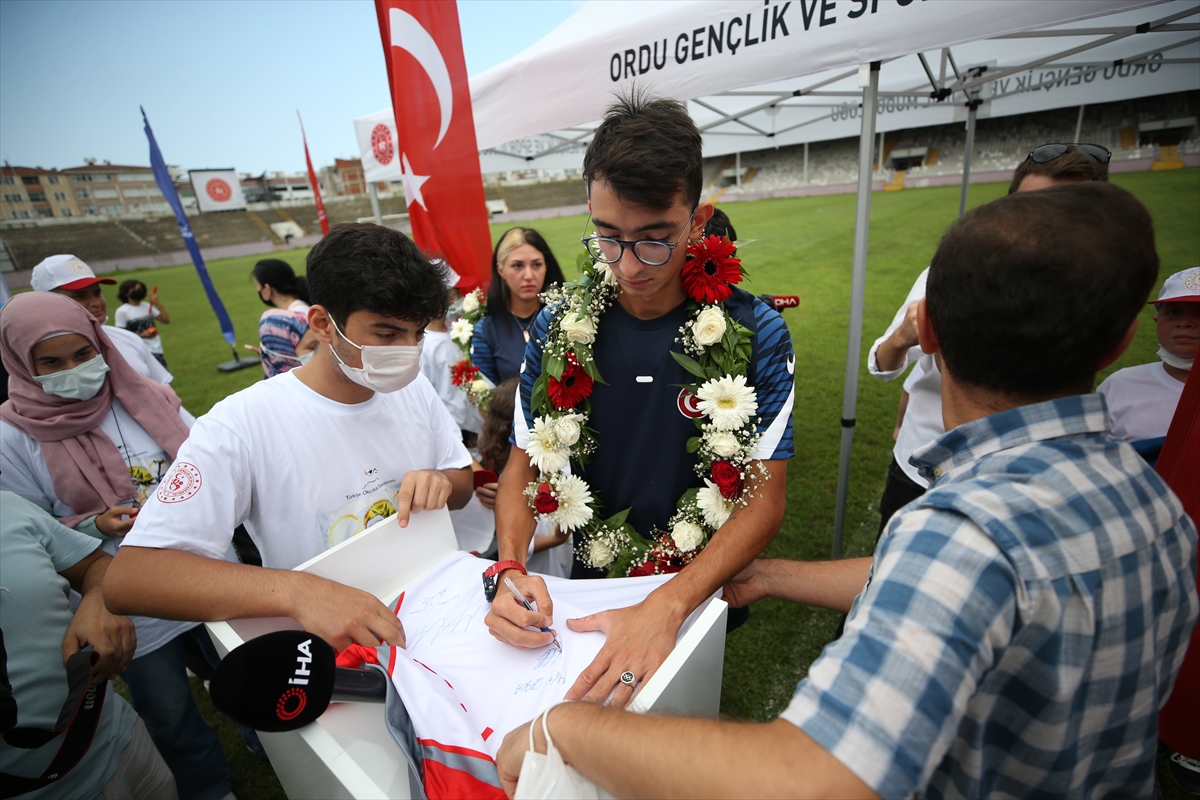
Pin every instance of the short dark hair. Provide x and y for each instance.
(126, 288)
(1028, 293)
(497, 293)
(719, 225)
(1070, 166)
(280, 276)
(365, 267)
(648, 150)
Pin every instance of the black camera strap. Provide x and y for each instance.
(79, 717)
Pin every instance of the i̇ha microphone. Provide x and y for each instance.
(284, 680)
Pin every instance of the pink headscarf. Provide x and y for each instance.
(86, 467)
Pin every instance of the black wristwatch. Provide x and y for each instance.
(491, 577)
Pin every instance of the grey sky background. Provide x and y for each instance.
(220, 80)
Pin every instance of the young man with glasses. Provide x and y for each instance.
(920, 414)
(1021, 624)
(644, 176)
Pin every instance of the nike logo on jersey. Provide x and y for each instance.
(791, 365)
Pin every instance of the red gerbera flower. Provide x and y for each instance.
(572, 388)
(463, 372)
(642, 570)
(710, 269)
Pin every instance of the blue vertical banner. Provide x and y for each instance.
(163, 178)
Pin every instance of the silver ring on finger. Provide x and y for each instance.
(628, 678)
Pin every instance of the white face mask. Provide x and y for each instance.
(384, 369)
(1173, 360)
(80, 383)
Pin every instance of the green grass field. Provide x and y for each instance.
(803, 246)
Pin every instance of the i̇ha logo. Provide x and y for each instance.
(181, 483)
(381, 144)
(291, 703)
(218, 190)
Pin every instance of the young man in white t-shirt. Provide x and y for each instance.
(1142, 399)
(308, 458)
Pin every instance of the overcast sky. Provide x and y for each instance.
(220, 81)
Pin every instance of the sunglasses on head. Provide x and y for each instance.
(1049, 152)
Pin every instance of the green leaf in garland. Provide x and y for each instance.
(693, 444)
(539, 397)
(554, 366)
(617, 520)
(690, 364)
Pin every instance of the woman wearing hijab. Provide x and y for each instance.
(85, 437)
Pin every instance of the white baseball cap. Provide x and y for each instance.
(452, 277)
(64, 272)
(1182, 287)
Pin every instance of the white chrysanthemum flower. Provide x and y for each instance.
(544, 450)
(721, 443)
(728, 402)
(605, 273)
(599, 555)
(461, 331)
(573, 496)
(687, 536)
(709, 326)
(470, 303)
(568, 428)
(582, 331)
(713, 505)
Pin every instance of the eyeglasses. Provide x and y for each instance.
(1048, 152)
(650, 252)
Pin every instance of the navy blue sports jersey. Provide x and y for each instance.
(642, 461)
(497, 348)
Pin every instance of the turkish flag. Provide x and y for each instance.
(435, 132)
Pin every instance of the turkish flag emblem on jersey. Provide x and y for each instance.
(435, 131)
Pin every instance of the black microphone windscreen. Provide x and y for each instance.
(281, 681)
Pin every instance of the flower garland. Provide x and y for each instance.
(716, 353)
(465, 375)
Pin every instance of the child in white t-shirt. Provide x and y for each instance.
(308, 458)
(1142, 399)
(142, 315)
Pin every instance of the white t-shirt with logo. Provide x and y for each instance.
(300, 471)
(1141, 401)
(144, 314)
(23, 471)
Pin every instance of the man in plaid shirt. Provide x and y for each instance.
(1022, 622)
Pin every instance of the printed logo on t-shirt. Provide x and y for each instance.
(181, 483)
(689, 405)
(365, 508)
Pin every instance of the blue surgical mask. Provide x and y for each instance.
(456, 309)
(80, 383)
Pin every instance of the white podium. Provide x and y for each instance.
(348, 752)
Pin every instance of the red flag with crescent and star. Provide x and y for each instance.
(435, 131)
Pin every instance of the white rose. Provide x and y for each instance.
(567, 429)
(722, 443)
(461, 331)
(599, 556)
(470, 303)
(479, 386)
(578, 330)
(709, 326)
(687, 536)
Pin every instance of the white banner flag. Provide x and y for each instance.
(377, 144)
(217, 189)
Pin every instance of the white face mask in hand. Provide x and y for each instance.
(384, 369)
(80, 383)
(1174, 360)
(547, 777)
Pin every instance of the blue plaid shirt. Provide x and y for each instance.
(1023, 622)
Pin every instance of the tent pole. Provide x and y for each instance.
(869, 80)
(806, 163)
(972, 105)
(1079, 125)
(373, 192)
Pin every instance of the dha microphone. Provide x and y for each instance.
(284, 680)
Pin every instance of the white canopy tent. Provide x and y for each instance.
(761, 74)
